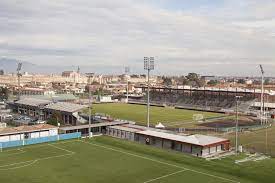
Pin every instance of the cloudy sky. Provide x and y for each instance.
(221, 37)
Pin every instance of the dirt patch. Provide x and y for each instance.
(226, 123)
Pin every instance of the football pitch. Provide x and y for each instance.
(168, 116)
(105, 160)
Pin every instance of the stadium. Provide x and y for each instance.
(181, 150)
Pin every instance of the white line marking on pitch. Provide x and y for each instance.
(161, 162)
(168, 175)
(199, 172)
(16, 163)
(36, 160)
(9, 150)
(32, 162)
(10, 154)
(61, 148)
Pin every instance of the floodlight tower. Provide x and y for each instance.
(262, 95)
(90, 75)
(148, 65)
(19, 67)
(127, 71)
(237, 123)
(90, 111)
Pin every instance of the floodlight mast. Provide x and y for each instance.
(262, 94)
(90, 75)
(148, 65)
(237, 124)
(127, 71)
(19, 67)
(90, 111)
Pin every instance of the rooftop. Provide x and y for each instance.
(124, 128)
(33, 102)
(24, 129)
(54, 97)
(66, 128)
(201, 140)
(65, 106)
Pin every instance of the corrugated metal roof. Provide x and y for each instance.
(24, 129)
(125, 128)
(201, 140)
(66, 128)
(33, 102)
(54, 97)
(65, 106)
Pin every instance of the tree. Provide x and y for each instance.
(4, 93)
(241, 81)
(182, 80)
(192, 76)
(267, 81)
(213, 82)
(167, 81)
(195, 80)
(55, 119)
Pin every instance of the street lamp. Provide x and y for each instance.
(148, 65)
(127, 71)
(237, 123)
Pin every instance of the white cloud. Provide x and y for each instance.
(108, 32)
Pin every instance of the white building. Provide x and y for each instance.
(27, 132)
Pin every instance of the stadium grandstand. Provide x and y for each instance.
(205, 98)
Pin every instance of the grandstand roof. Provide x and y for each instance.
(33, 102)
(200, 140)
(66, 128)
(66, 107)
(55, 97)
(214, 89)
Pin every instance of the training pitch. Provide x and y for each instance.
(106, 160)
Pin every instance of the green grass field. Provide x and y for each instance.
(256, 140)
(184, 118)
(104, 160)
(168, 116)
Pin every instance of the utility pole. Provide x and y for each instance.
(148, 65)
(127, 71)
(237, 124)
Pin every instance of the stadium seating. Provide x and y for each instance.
(196, 100)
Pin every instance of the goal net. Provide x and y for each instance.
(198, 117)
